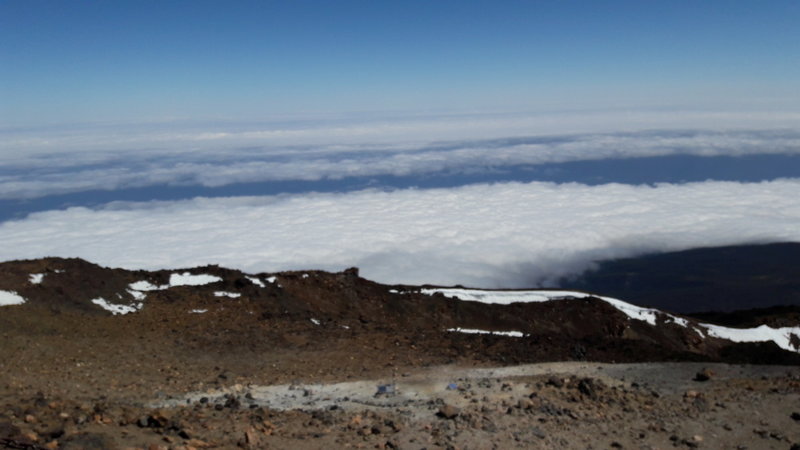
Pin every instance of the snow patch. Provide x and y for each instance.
(272, 279)
(680, 321)
(517, 334)
(507, 297)
(503, 297)
(145, 286)
(227, 294)
(305, 275)
(8, 298)
(36, 278)
(137, 295)
(634, 312)
(781, 336)
(315, 321)
(198, 311)
(699, 331)
(116, 309)
(256, 281)
(189, 279)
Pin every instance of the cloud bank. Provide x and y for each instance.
(500, 235)
(41, 162)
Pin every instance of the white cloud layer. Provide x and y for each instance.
(39, 162)
(501, 235)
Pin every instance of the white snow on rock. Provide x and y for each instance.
(137, 295)
(36, 278)
(680, 321)
(198, 311)
(476, 331)
(315, 321)
(781, 336)
(145, 286)
(227, 294)
(272, 279)
(189, 279)
(256, 281)
(633, 311)
(763, 333)
(508, 297)
(503, 297)
(8, 298)
(116, 309)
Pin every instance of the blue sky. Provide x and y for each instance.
(88, 61)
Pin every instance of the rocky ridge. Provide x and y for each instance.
(215, 358)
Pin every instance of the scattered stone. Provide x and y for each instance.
(197, 443)
(252, 438)
(777, 436)
(31, 436)
(589, 387)
(538, 433)
(233, 402)
(704, 375)
(555, 382)
(795, 416)
(692, 394)
(525, 403)
(88, 441)
(448, 411)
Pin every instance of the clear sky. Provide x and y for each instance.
(88, 61)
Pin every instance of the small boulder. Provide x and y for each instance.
(704, 375)
(692, 394)
(448, 411)
(525, 403)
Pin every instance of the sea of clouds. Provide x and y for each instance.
(499, 235)
(59, 160)
(505, 234)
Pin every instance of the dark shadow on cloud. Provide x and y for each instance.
(705, 279)
(650, 170)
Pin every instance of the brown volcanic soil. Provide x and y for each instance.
(74, 376)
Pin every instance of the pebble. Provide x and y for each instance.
(704, 375)
(449, 411)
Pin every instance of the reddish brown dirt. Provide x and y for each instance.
(74, 376)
